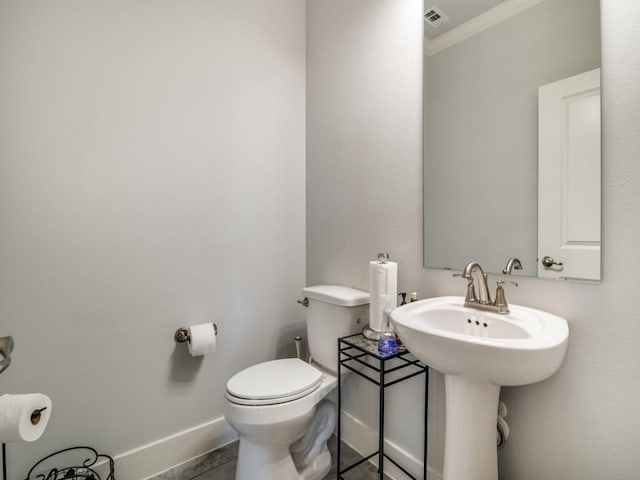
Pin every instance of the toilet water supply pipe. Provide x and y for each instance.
(298, 341)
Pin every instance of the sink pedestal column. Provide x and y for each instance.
(470, 437)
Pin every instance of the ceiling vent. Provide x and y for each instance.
(435, 17)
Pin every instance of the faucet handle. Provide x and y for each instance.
(471, 291)
(501, 301)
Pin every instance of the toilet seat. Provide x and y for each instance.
(273, 382)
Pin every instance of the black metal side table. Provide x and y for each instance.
(360, 355)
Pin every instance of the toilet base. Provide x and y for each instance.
(306, 459)
(267, 462)
(318, 468)
(275, 463)
(310, 454)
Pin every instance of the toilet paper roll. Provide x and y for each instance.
(383, 290)
(202, 339)
(23, 418)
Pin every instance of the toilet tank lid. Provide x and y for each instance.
(337, 295)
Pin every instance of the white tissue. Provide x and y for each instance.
(383, 291)
(16, 424)
(202, 339)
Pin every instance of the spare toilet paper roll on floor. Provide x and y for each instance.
(23, 418)
(383, 291)
(202, 339)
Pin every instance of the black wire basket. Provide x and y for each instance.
(75, 463)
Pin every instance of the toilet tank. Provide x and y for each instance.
(334, 311)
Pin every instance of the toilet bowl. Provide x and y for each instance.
(279, 407)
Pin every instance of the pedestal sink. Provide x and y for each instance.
(478, 352)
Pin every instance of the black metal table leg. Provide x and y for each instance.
(338, 446)
(381, 425)
(4, 461)
(426, 417)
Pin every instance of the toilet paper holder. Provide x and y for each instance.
(74, 463)
(182, 334)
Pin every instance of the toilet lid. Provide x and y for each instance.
(274, 382)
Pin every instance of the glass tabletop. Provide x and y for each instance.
(362, 343)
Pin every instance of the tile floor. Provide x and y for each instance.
(221, 465)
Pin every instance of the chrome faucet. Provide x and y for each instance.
(484, 301)
(483, 288)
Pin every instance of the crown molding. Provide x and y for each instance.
(478, 24)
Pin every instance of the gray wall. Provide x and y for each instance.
(481, 131)
(582, 423)
(364, 145)
(151, 176)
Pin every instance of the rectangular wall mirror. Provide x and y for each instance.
(512, 136)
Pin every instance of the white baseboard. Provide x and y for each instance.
(149, 460)
(364, 440)
(156, 457)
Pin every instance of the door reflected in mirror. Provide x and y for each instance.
(485, 65)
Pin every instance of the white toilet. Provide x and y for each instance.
(277, 407)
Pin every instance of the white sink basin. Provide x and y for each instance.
(478, 352)
(522, 347)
